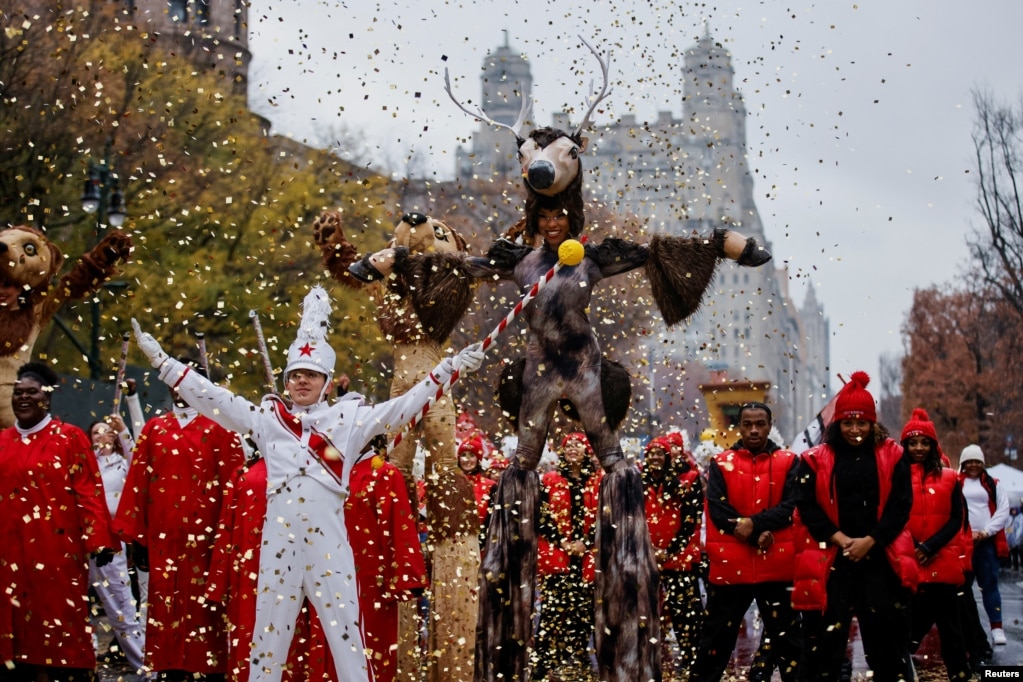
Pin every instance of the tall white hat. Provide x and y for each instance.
(310, 349)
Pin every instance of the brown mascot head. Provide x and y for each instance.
(415, 234)
(28, 261)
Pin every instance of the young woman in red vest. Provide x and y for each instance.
(673, 500)
(857, 557)
(936, 525)
(566, 599)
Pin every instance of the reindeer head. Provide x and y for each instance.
(550, 157)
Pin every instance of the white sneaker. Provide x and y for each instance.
(998, 636)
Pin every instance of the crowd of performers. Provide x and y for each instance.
(289, 565)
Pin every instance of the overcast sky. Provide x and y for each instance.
(859, 125)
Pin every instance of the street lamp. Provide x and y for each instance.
(102, 196)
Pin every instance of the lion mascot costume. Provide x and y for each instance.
(29, 300)
(421, 297)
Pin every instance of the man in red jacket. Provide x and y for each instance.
(751, 501)
(170, 506)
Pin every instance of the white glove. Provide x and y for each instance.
(468, 359)
(149, 345)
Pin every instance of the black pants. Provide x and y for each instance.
(682, 611)
(726, 607)
(938, 604)
(869, 590)
(566, 622)
(23, 672)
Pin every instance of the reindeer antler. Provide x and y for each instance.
(604, 92)
(527, 106)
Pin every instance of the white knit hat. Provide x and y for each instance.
(310, 350)
(971, 452)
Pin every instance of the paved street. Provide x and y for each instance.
(928, 659)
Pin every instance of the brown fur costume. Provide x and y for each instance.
(28, 301)
(422, 300)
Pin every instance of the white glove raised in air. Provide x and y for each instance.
(149, 345)
(469, 359)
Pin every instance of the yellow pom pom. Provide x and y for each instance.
(377, 462)
(571, 252)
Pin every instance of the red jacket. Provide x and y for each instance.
(932, 506)
(52, 515)
(666, 514)
(754, 485)
(814, 559)
(171, 504)
(482, 486)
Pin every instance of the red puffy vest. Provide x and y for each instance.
(755, 484)
(663, 519)
(932, 504)
(815, 559)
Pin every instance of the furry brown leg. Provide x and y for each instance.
(627, 626)
(507, 578)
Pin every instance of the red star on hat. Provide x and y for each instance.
(306, 350)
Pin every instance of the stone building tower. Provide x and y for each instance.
(504, 82)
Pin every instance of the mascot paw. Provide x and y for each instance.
(115, 246)
(327, 228)
(754, 255)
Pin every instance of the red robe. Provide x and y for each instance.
(389, 562)
(234, 573)
(171, 504)
(52, 515)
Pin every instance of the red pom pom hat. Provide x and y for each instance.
(854, 400)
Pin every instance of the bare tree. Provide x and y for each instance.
(997, 247)
(890, 380)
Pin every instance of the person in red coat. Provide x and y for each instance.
(855, 556)
(389, 564)
(53, 516)
(673, 498)
(170, 507)
(566, 599)
(936, 524)
(751, 504)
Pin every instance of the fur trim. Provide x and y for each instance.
(680, 270)
(504, 627)
(627, 627)
(440, 291)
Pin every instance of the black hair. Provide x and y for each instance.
(932, 462)
(833, 437)
(39, 371)
(756, 405)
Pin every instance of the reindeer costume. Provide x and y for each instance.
(564, 361)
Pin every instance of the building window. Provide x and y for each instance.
(178, 10)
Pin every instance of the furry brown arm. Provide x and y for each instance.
(338, 253)
(89, 272)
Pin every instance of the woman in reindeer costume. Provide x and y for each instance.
(564, 361)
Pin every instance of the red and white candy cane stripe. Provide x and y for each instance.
(502, 325)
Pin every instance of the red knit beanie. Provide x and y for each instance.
(472, 445)
(919, 425)
(854, 400)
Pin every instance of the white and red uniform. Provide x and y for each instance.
(112, 582)
(234, 572)
(305, 548)
(171, 504)
(52, 516)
